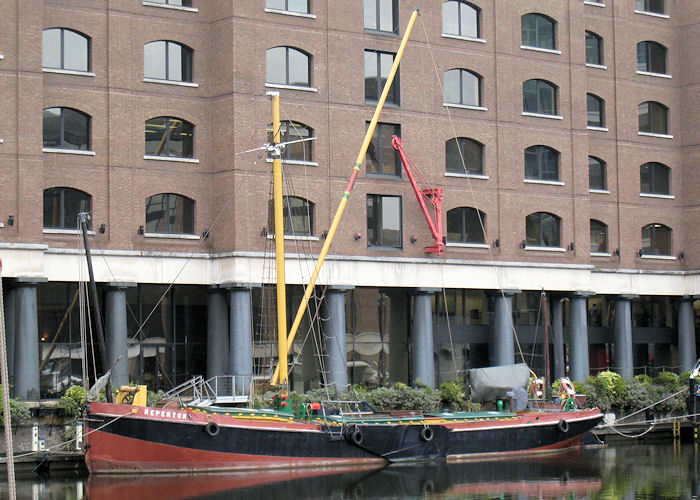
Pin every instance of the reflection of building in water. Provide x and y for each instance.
(578, 178)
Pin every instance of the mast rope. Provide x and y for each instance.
(471, 189)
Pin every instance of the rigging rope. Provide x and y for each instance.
(471, 190)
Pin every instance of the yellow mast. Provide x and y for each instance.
(277, 376)
(282, 369)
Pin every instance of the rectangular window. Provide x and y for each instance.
(381, 15)
(382, 158)
(384, 221)
(377, 69)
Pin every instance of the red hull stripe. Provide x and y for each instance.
(117, 454)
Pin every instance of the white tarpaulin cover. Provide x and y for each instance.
(491, 384)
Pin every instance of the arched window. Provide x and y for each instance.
(461, 19)
(294, 131)
(169, 213)
(651, 57)
(594, 48)
(655, 178)
(596, 111)
(66, 49)
(597, 175)
(66, 128)
(656, 240)
(541, 163)
(653, 6)
(599, 237)
(542, 229)
(462, 87)
(539, 31)
(288, 66)
(169, 136)
(165, 60)
(300, 6)
(464, 226)
(653, 118)
(62, 206)
(298, 216)
(540, 97)
(464, 156)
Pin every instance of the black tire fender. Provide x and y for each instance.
(426, 434)
(563, 426)
(212, 428)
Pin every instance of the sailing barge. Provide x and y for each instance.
(128, 438)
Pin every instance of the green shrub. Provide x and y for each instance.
(668, 380)
(606, 391)
(452, 396)
(19, 412)
(637, 396)
(73, 401)
(644, 379)
(403, 397)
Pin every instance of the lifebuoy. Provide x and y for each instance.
(212, 428)
(563, 426)
(426, 434)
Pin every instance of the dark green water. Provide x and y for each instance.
(624, 471)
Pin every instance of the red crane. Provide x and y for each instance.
(425, 196)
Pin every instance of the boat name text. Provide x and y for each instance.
(178, 415)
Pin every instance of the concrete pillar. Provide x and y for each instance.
(398, 335)
(578, 344)
(335, 332)
(624, 363)
(686, 334)
(27, 339)
(116, 336)
(217, 333)
(559, 370)
(503, 342)
(423, 361)
(9, 295)
(241, 335)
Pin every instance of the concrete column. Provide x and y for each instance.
(217, 333)
(423, 361)
(27, 339)
(241, 335)
(623, 336)
(686, 334)
(578, 344)
(398, 335)
(335, 332)
(10, 327)
(116, 336)
(503, 342)
(559, 370)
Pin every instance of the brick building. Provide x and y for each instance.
(564, 136)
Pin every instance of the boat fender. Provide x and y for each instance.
(353, 434)
(563, 426)
(426, 434)
(212, 428)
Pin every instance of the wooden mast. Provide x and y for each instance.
(277, 376)
(282, 348)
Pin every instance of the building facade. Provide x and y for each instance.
(563, 135)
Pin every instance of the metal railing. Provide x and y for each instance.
(222, 389)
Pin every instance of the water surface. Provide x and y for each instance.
(624, 471)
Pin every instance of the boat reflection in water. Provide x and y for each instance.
(546, 476)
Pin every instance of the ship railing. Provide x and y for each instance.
(347, 408)
(219, 390)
